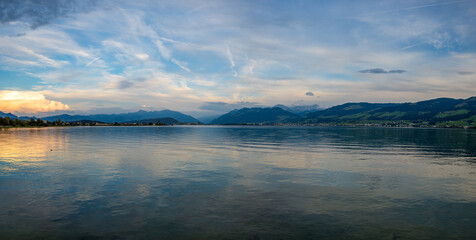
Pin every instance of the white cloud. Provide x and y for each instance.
(180, 64)
(162, 49)
(28, 102)
(142, 56)
(230, 59)
(92, 61)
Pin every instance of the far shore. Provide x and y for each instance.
(252, 124)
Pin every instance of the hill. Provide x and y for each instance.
(344, 111)
(440, 111)
(300, 109)
(4, 115)
(126, 117)
(256, 116)
(208, 119)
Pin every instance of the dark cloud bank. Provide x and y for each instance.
(381, 71)
(310, 94)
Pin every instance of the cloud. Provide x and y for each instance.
(417, 7)
(380, 71)
(229, 55)
(38, 13)
(396, 71)
(182, 65)
(465, 73)
(225, 107)
(124, 84)
(310, 94)
(143, 56)
(92, 61)
(165, 52)
(28, 102)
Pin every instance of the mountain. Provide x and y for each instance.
(284, 107)
(256, 116)
(208, 119)
(440, 110)
(167, 121)
(125, 117)
(27, 118)
(300, 109)
(344, 111)
(11, 116)
(4, 115)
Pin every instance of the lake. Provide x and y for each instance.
(237, 182)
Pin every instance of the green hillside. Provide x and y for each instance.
(257, 116)
(440, 111)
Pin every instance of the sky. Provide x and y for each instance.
(209, 57)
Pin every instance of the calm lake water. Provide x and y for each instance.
(213, 182)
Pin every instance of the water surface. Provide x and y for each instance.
(234, 182)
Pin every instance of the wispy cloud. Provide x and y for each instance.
(381, 71)
(180, 64)
(165, 52)
(92, 61)
(230, 59)
(202, 6)
(417, 7)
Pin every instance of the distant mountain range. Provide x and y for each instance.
(301, 109)
(256, 115)
(440, 111)
(126, 117)
(12, 116)
(209, 118)
(4, 115)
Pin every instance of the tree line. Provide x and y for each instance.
(32, 122)
(8, 122)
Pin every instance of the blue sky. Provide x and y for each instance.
(207, 57)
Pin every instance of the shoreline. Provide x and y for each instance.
(258, 125)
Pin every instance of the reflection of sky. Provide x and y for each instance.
(23, 148)
(134, 175)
